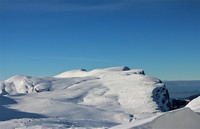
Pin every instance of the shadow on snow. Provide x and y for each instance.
(8, 114)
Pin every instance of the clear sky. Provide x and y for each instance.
(46, 37)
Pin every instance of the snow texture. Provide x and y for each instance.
(100, 98)
(195, 104)
(179, 119)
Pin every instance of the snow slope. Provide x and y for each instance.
(27, 84)
(194, 104)
(97, 98)
(179, 119)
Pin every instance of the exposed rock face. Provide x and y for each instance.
(126, 68)
(161, 97)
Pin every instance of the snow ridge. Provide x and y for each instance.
(113, 95)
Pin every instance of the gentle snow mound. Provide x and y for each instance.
(28, 84)
(179, 119)
(122, 68)
(194, 104)
(99, 72)
(72, 73)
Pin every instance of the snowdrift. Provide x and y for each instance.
(101, 97)
(179, 119)
(194, 104)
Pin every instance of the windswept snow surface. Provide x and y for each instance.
(183, 118)
(99, 98)
(195, 104)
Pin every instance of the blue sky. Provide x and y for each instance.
(46, 37)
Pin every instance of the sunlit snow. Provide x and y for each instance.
(100, 98)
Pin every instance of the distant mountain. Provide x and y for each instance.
(97, 98)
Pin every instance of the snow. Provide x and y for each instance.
(27, 84)
(195, 104)
(73, 73)
(183, 118)
(100, 72)
(100, 98)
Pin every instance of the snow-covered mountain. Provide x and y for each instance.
(80, 98)
(194, 104)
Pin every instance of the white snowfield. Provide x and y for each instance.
(100, 98)
(195, 105)
(183, 118)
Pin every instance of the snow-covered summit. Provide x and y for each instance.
(72, 73)
(99, 72)
(116, 94)
(183, 118)
(122, 68)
